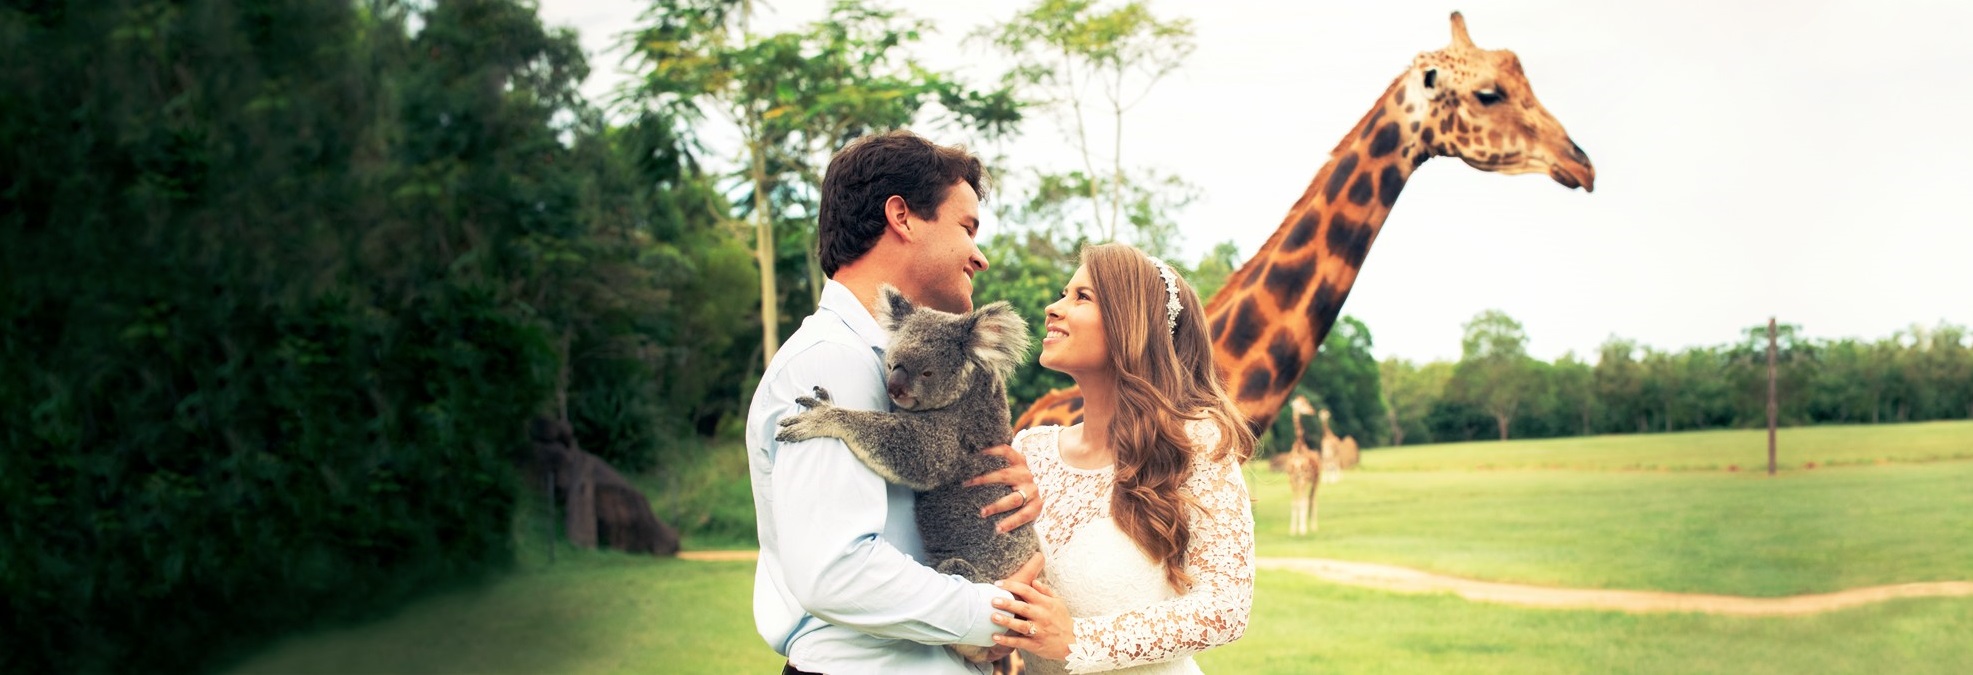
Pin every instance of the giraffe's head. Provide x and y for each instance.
(1476, 105)
(1302, 406)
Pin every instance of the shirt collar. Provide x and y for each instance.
(837, 298)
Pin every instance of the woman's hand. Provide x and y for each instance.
(1024, 500)
(1041, 623)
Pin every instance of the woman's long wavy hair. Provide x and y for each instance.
(1165, 379)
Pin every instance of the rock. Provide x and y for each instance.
(600, 506)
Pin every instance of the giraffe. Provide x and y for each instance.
(1304, 471)
(1333, 451)
(1272, 314)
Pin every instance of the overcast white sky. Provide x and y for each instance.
(1806, 160)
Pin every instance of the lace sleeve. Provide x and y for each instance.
(1220, 559)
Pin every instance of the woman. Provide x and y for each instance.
(1148, 532)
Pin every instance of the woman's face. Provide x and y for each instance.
(1076, 343)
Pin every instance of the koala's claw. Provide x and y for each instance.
(819, 400)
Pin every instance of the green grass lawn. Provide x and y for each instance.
(605, 613)
(1737, 533)
(1696, 450)
(1303, 625)
(588, 612)
(1598, 523)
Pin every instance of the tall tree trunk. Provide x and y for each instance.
(1117, 170)
(770, 310)
(1082, 140)
(1502, 420)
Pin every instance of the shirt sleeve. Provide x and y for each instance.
(830, 514)
(1220, 559)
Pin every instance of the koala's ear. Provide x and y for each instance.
(999, 338)
(893, 305)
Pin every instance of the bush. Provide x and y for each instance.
(266, 364)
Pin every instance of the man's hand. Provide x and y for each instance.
(1025, 498)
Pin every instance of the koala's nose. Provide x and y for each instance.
(897, 383)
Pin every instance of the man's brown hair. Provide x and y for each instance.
(867, 172)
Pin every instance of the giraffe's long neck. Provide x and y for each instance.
(1272, 314)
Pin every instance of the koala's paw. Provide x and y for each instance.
(960, 567)
(816, 422)
(820, 399)
(973, 653)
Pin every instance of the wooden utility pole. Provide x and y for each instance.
(1770, 396)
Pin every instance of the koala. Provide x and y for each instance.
(947, 379)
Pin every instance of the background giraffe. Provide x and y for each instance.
(1272, 314)
(1337, 453)
(1304, 469)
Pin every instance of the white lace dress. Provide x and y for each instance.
(1126, 615)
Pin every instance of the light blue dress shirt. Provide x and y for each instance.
(840, 587)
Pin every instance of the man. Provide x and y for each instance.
(840, 586)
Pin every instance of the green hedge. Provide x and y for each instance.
(220, 477)
(265, 316)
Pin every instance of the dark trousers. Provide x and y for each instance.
(790, 669)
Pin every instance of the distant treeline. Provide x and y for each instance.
(1496, 391)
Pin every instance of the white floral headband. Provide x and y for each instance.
(1172, 306)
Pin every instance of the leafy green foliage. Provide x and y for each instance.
(285, 282)
(1344, 380)
(1916, 374)
(795, 98)
(1028, 271)
(1088, 64)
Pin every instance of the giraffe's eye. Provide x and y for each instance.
(1431, 77)
(1488, 96)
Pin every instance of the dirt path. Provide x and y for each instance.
(1406, 580)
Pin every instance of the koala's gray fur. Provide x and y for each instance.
(947, 377)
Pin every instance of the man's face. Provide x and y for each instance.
(944, 255)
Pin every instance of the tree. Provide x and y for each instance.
(793, 98)
(1213, 269)
(1744, 373)
(269, 318)
(1619, 385)
(1574, 385)
(1346, 377)
(1940, 364)
(1410, 392)
(1495, 373)
(1061, 49)
(1028, 270)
